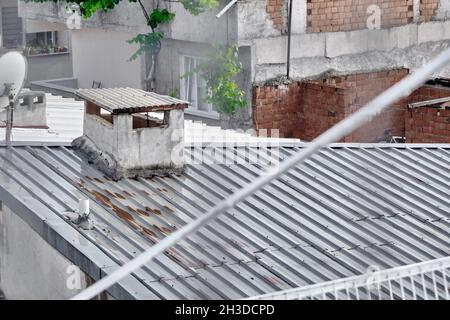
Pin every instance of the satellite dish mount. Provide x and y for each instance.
(9, 91)
(13, 72)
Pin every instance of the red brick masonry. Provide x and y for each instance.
(345, 15)
(428, 124)
(306, 109)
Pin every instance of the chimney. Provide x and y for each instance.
(132, 133)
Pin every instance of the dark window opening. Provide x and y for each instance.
(95, 110)
(150, 119)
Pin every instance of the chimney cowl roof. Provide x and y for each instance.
(130, 100)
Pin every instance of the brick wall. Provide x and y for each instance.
(428, 124)
(277, 107)
(344, 15)
(306, 109)
(427, 9)
(274, 9)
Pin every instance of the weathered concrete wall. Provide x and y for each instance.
(52, 66)
(103, 55)
(120, 150)
(204, 28)
(30, 111)
(150, 148)
(126, 17)
(349, 52)
(29, 267)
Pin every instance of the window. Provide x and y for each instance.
(193, 88)
(42, 39)
(11, 28)
(44, 43)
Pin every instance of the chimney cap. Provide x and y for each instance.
(130, 100)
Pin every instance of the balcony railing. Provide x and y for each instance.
(421, 281)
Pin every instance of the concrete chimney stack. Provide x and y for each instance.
(130, 132)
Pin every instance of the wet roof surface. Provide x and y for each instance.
(345, 209)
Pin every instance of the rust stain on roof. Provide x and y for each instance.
(143, 212)
(168, 208)
(101, 198)
(110, 193)
(149, 234)
(118, 195)
(156, 211)
(128, 194)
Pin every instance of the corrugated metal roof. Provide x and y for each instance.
(347, 208)
(130, 100)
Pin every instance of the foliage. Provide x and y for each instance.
(150, 42)
(219, 71)
(159, 16)
(89, 7)
(196, 7)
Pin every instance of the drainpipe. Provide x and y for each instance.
(9, 120)
(288, 64)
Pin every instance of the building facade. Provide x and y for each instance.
(46, 45)
(329, 39)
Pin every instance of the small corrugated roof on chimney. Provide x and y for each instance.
(130, 100)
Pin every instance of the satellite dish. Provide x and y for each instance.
(13, 71)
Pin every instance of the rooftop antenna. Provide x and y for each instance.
(13, 71)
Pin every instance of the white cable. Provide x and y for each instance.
(340, 130)
(226, 8)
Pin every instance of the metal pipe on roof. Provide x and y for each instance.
(400, 90)
(432, 102)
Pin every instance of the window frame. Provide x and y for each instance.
(193, 108)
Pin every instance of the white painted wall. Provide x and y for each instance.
(29, 267)
(103, 55)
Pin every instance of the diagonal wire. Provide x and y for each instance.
(400, 90)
